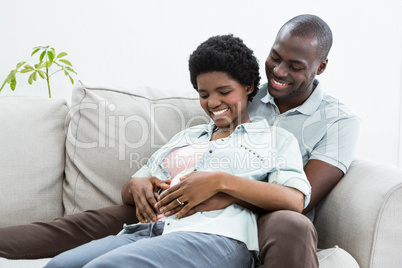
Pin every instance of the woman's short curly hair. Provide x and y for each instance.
(226, 53)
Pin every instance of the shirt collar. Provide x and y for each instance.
(309, 106)
(247, 127)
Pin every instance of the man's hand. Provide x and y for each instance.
(143, 192)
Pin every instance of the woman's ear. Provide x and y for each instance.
(249, 89)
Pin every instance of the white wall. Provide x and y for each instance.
(148, 43)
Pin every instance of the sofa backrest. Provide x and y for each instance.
(112, 132)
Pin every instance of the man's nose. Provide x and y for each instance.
(280, 70)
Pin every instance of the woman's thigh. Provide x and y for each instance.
(80, 256)
(178, 249)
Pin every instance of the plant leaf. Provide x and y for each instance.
(2, 86)
(27, 66)
(40, 65)
(65, 72)
(42, 55)
(48, 64)
(26, 70)
(35, 50)
(30, 79)
(20, 64)
(11, 76)
(66, 62)
(50, 55)
(41, 74)
(35, 75)
(61, 54)
(71, 79)
(8, 78)
(13, 84)
(70, 69)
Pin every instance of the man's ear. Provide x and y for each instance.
(321, 68)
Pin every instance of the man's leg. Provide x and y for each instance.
(47, 239)
(287, 239)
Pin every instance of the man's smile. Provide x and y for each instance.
(278, 84)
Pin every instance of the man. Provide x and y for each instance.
(327, 133)
(326, 130)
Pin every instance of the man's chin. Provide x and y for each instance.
(277, 94)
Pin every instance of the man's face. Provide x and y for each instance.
(291, 67)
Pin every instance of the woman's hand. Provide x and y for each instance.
(194, 188)
(143, 193)
(218, 201)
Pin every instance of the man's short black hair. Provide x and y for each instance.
(312, 26)
(226, 53)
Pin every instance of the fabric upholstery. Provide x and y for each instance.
(38, 263)
(112, 133)
(362, 214)
(335, 257)
(32, 158)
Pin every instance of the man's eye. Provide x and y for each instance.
(225, 92)
(296, 68)
(274, 58)
(203, 96)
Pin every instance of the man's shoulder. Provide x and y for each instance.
(334, 106)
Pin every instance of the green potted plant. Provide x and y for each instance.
(47, 59)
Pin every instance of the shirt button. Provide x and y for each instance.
(195, 169)
(168, 223)
(238, 127)
(210, 151)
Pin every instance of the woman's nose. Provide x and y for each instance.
(213, 102)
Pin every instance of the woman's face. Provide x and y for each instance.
(223, 99)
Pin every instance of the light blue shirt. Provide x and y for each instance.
(325, 128)
(254, 151)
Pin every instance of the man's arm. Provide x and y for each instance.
(322, 177)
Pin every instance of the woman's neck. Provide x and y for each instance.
(220, 133)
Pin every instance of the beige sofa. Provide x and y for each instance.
(58, 159)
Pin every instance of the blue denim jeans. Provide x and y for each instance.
(146, 247)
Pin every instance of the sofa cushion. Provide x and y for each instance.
(38, 263)
(32, 157)
(112, 133)
(335, 257)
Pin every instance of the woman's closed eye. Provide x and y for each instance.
(204, 96)
(225, 92)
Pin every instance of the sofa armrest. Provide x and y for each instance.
(363, 214)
